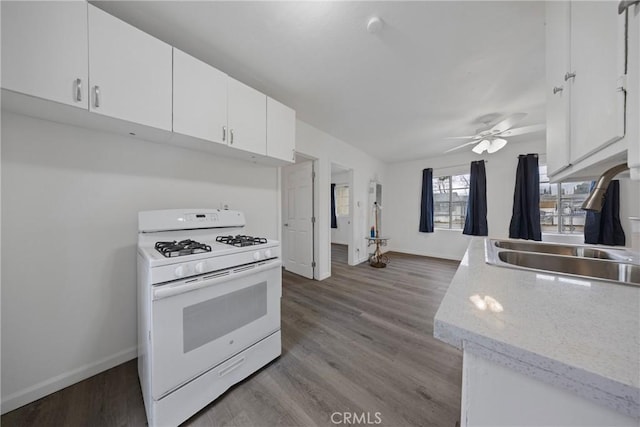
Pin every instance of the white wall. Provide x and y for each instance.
(70, 199)
(340, 235)
(403, 189)
(327, 149)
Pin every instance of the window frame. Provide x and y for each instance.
(559, 211)
(450, 201)
(338, 189)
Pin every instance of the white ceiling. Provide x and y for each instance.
(436, 69)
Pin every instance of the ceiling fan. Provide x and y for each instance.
(492, 139)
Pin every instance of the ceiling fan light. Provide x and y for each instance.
(496, 145)
(481, 146)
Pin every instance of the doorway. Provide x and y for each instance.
(342, 214)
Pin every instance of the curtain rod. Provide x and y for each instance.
(464, 164)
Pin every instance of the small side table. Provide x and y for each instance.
(377, 259)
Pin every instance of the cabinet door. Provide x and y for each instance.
(130, 72)
(597, 59)
(247, 116)
(633, 91)
(281, 131)
(558, 30)
(44, 50)
(199, 99)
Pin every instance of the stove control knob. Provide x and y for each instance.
(256, 256)
(200, 267)
(180, 271)
(267, 253)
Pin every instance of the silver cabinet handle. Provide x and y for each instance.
(557, 89)
(78, 90)
(569, 76)
(224, 133)
(231, 136)
(626, 4)
(96, 102)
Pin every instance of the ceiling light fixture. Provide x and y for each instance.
(496, 144)
(481, 146)
(374, 25)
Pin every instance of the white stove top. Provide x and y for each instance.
(202, 226)
(155, 258)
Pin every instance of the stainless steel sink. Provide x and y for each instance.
(568, 250)
(582, 261)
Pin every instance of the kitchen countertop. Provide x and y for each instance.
(578, 334)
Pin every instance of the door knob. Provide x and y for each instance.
(286, 225)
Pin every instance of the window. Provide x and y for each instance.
(342, 200)
(450, 195)
(561, 205)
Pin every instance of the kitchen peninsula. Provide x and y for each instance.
(545, 348)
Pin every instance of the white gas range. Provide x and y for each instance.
(208, 308)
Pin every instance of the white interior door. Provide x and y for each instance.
(297, 230)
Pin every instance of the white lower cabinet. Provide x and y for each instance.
(496, 395)
(199, 99)
(247, 117)
(44, 50)
(130, 72)
(281, 131)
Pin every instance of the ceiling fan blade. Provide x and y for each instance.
(523, 130)
(462, 137)
(507, 123)
(460, 146)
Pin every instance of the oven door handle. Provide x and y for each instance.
(181, 287)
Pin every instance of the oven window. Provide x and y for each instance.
(209, 320)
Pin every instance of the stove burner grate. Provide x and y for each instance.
(183, 247)
(241, 240)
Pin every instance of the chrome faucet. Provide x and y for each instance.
(595, 199)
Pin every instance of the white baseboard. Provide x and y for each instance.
(324, 276)
(37, 391)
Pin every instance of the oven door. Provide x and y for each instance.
(201, 322)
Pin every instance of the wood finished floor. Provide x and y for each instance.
(360, 341)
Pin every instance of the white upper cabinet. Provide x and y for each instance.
(44, 50)
(598, 62)
(558, 93)
(247, 117)
(585, 55)
(131, 72)
(281, 131)
(199, 99)
(633, 92)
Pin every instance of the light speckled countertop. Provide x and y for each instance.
(581, 335)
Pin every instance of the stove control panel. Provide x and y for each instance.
(202, 217)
